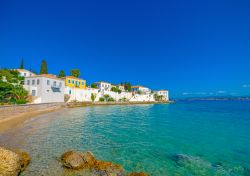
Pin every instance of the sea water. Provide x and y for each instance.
(183, 138)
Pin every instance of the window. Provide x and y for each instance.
(48, 82)
(33, 92)
(33, 82)
(70, 92)
(69, 81)
(82, 83)
(37, 82)
(28, 82)
(54, 83)
(24, 74)
(73, 82)
(60, 84)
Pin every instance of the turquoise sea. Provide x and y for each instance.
(183, 138)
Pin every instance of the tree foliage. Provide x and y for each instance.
(116, 89)
(44, 68)
(93, 96)
(127, 86)
(11, 90)
(22, 64)
(61, 74)
(93, 86)
(75, 72)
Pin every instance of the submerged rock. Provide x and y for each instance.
(73, 160)
(25, 159)
(12, 163)
(85, 160)
(138, 174)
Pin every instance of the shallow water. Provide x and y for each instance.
(214, 137)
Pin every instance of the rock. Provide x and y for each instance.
(73, 160)
(10, 163)
(109, 168)
(138, 174)
(85, 160)
(25, 159)
(89, 158)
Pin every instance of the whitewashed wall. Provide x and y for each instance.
(85, 95)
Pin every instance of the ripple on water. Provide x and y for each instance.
(142, 138)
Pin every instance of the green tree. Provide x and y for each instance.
(22, 64)
(93, 86)
(44, 69)
(127, 86)
(61, 74)
(93, 96)
(101, 99)
(75, 72)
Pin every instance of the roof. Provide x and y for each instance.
(72, 77)
(102, 82)
(20, 69)
(46, 76)
(137, 86)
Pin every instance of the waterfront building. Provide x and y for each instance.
(121, 87)
(141, 89)
(45, 88)
(103, 86)
(25, 73)
(75, 88)
(164, 94)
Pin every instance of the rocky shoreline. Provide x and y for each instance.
(12, 163)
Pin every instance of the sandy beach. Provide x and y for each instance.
(13, 117)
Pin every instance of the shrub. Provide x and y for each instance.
(101, 99)
(110, 99)
(21, 101)
(93, 96)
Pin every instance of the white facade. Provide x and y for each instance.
(25, 73)
(163, 93)
(103, 86)
(45, 88)
(121, 87)
(144, 90)
(80, 95)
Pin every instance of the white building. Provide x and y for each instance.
(103, 86)
(143, 89)
(25, 73)
(164, 94)
(121, 87)
(45, 88)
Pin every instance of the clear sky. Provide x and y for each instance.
(192, 48)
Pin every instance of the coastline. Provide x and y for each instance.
(13, 115)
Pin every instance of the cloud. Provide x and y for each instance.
(246, 85)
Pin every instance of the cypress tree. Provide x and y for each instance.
(22, 64)
(44, 69)
(61, 74)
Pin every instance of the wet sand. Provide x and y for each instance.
(12, 119)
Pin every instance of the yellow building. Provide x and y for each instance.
(73, 82)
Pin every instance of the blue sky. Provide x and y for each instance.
(192, 48)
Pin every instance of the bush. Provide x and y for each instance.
(110, 99)
(21, 101)
(93, 96)
(101, 99)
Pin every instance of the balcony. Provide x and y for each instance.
(56, 88)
